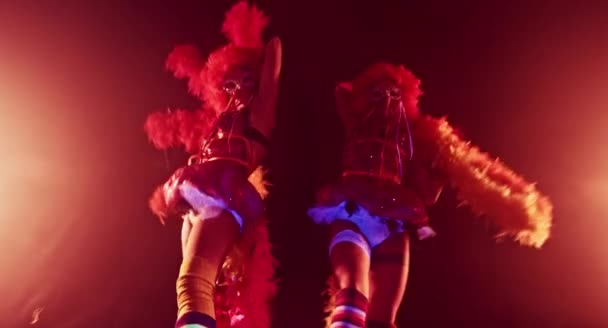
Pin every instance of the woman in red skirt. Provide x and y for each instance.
(226, 276)
(395, 163)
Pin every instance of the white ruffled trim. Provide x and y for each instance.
(206, 206)
(373, 227)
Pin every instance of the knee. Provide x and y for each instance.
(350, 257)
(353, 239)
(382, 316)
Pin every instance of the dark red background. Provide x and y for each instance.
(526, 80)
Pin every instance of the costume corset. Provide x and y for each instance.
(231, 140)
(380, 148)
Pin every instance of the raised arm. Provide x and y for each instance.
(264, 106)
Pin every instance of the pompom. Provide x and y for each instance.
(244, 25)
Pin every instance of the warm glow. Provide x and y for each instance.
(525, 81)
(37, 178)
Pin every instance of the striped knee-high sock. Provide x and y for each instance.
(195, 320)
(350, 310)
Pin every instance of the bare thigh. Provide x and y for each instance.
(388, 278)
(209, 238)
(186, 228)
(349, 262)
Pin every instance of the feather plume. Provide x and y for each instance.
(489, 187)
(248, 272)
(179, 127)
(244, 25)
(184, 61)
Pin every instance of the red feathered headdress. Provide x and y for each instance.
(352, 97)
(407, 82)
(243, 26)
